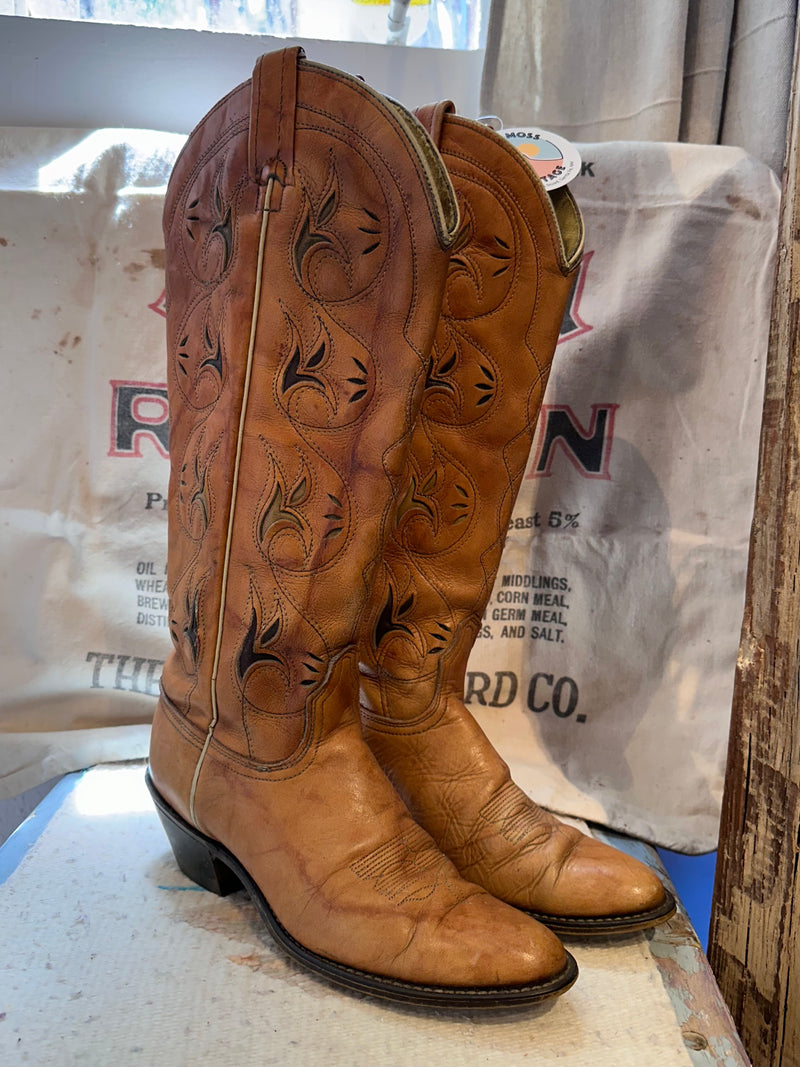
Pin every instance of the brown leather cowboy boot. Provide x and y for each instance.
(308, 224)
(507, 287)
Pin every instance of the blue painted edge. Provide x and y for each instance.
(14, 850)
(693, 877)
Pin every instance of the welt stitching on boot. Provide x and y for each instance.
(307, 229)
(509, 279)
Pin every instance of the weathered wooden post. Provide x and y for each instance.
(753, 941)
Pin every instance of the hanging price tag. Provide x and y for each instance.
(556, 160)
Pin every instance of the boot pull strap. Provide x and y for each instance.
(272, 119)
(432, 117)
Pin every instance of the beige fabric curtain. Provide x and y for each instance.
(707, 71)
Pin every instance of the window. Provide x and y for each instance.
(448, 24)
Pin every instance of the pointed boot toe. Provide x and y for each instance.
(595, 889)
(514, 952)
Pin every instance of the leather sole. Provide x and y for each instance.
(590, 926)
(212, 866)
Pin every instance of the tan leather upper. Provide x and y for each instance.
(307, 226)
(507, 287)
(509, 279)
(325, 420)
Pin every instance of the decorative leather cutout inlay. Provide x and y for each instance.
(312, 233)
(436, 377)
(500, 252)
(185, 624)
(389, 618)
(254, 649)
(209, 222)
(342, 238)
(275, 511)
(481, 270)
(313, 664)
(194, 496)
(407, 868)
(194, 500)
(439, 636)
(300, 521)
(463, 380)
(200, 358)
(278, 649)
(398, 634)
(414, 498)
(473, 435)
(295, 375)
(359, 380)
(322, 384)
(438, 504)
(213, 350)
(486, 385)
(464, 258)
(334, 515)
(223, 225)
(191, 629)
(192, 218)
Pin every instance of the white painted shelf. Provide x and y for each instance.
(111, 956)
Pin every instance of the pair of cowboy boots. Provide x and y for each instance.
(357, 353)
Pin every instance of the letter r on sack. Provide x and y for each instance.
(139, 411)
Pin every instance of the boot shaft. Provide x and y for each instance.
(510, 274)
(307, 226)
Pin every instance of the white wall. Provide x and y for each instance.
(84, 75)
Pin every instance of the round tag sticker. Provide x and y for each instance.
(556, 160)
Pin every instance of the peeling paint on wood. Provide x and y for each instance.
(707, 1028)
(705, 1021)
